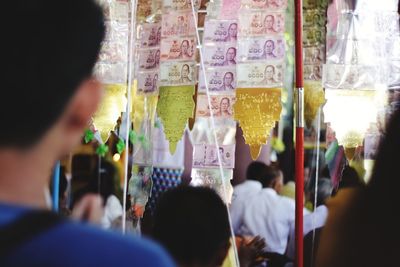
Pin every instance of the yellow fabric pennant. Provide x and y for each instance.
(257, 110)
(113, 103)
(175, 107)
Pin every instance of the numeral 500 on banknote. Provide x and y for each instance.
(178, 49)
(261, 48)
(220, 31)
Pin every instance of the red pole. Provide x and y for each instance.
(299, 159)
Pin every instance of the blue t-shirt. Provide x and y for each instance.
(76, 244)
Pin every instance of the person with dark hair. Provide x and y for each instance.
(362, 226)
(192, 224)
(268, 214)
(50, 53)
(241, 192)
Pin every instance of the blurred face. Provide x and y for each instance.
(185, 71)
(233, 30)
(224, 104)
(269, 22)
(269, 47)
(230, 54)
(269, 72)
(185, 47)
(228, 78)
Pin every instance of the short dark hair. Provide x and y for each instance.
(192, 223)
(271, 173)
(256, 171)
(50, 49)
(261, 172)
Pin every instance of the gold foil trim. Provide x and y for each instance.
(175, 107)
(257, 110)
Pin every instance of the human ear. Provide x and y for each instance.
(79, 111)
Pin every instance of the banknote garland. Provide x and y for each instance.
(314, 29)
(178, 69)
(361, 65)
(112, 66)
(260, 68)
(214, 131)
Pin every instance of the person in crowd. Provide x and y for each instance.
(243, 191)
(104, 184)
(192, 224)
(315, 219)
(268, 214)
(362, 226)
(51, 51)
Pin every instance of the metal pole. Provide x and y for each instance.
(299, 158)
(56, 187)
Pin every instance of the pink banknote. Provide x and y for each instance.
(219, 80)
(220, 54)
(148, 82)
(178, 24)
(264, 22)
(261, 48)
(150, 34)
(149, 59)
(221, 106)
(178, 48)
(220, 31)
(206, 156)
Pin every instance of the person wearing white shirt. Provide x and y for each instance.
(244, 191)
(269, 215)
(317, 218)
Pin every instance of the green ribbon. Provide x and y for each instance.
(120, 146)
(89, 136)
(102, 150)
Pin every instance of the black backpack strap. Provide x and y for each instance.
(26, 228)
